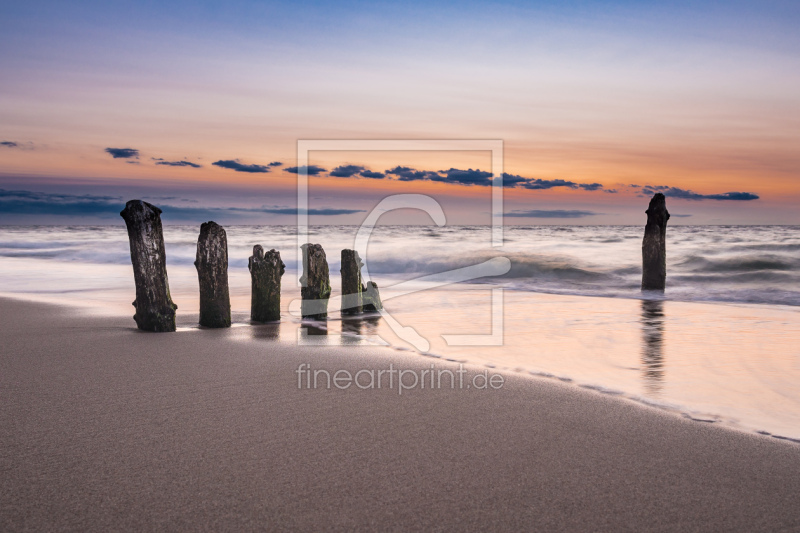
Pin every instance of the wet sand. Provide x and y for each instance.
(104, 428)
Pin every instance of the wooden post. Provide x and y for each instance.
(155, 310)
(371, 297)
(351, 283)
(316, 283)
(212, 272)
(266, 270)
(654, 246)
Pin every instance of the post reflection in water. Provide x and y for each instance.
(270, 331)
(353, 328)
(314, 328)
(653, 345)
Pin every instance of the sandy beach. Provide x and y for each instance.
(105, 428)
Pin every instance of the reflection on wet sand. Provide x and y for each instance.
(355, 328)
(271, 331)
(361, 325)
(313, 328)
(653, 345)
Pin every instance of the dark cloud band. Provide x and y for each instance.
(233, 164)
(310, 170)
(123, 153)
(685, 194)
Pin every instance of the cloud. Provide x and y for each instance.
(679, 216)
(240, 167)
(410, 174)
(275, 164)
(540, 184)
(178, 163)
(37, 203)
(123, 153)
(311, 170)
(372, 175)
(684, 194)
(169, 198)
(452, 175)
(484, 178)
(9, 144)
(346, 171)
(512, 180)
(325, 211)
(464, 177)
(741, 196)
(554, 213)
(17, 202)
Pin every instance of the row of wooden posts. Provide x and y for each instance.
(155, 310)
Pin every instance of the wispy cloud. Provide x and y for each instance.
(177, 163)
(38, 203)
(553, 213)
(310, 170)
(21, 202)
(234, 164)
(9, 144)
(685, 194)
(275, 164)
(325, 211)
(123, 153)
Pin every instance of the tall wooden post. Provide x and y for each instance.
(654, 245)
(155, 310)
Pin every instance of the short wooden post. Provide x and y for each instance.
(371, 297)
(316, 283)
(351, 283)
(266, 270)
(212, 272)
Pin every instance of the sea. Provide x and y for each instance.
(720, 345)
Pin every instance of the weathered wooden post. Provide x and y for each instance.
(316, 283)
(266, 270)
(654, 246)
(212, 272)
(351, 283)
(371, 297)
(154, 308)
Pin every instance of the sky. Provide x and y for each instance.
(198, 107)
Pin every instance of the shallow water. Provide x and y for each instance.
(720, 346)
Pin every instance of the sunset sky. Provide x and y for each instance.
(198, 107)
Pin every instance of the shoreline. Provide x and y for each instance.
(187, 322)
(108, 427)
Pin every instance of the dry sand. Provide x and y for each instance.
(106, 428)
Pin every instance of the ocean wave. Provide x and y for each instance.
(742, 263)
(748, 264)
